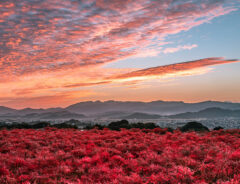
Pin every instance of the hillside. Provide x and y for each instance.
(155, 107)
(209, 113)
(129, 110)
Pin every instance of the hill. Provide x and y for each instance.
(209, 113)
(129, 110)
(6, 110)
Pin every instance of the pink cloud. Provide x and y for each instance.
(174, 68)
(48, 35)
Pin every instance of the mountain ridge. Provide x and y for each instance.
(154, 107)
(213, 112)
(112, 108)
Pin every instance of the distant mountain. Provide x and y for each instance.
(115, 109)
(55, 115)
(6, 110)
(98, 107)
(155, 107)
(209, 113)
(30, 110)
(138, 115)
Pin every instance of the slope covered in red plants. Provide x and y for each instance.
(126, 156)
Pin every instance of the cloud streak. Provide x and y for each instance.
(176, 49)
(178, 68)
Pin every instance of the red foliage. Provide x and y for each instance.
(127, 156)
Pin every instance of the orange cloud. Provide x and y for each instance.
(86, 84)
(178, 68)
(43, 101)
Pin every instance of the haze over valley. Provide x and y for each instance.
(163, 113)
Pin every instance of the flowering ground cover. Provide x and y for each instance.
(127, 156)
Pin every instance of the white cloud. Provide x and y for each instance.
(180, 47)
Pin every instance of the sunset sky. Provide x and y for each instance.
(59, 52)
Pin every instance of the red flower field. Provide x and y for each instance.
(127, 156)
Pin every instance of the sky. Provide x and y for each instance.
(56, 53)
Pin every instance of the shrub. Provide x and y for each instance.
(129, 156)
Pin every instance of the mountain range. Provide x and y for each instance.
(129, 110)
(154, 107)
